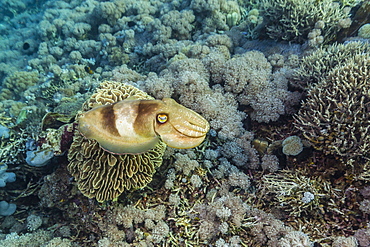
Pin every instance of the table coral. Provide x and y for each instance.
(101, 174)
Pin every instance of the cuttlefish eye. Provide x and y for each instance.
(162, 118)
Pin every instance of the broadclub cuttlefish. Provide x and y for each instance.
(133, 126)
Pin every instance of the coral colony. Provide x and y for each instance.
(185, 123)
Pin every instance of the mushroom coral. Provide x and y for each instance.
(105, 175)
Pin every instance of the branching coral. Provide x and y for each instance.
(292, 20)
(335, 117)
(316, 66)
(294, 193)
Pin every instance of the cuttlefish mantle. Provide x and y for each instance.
(135, 126)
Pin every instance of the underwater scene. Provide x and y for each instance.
(218, 123)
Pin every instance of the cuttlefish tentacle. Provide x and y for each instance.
(135, 126)
(184, 129)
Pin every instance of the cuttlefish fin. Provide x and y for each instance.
(114, 127)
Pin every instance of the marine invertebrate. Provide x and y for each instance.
(316, 67)
(250, 76)
(219, 15)
(296, 238)
(292, 20)
(364, 31)
(295, 193)
(292, 145)
(105, 175)
(5, 177)
(359, 18)
(16, 84)
(135, 126)
(7, 208)
(335, 118)
(180, 23)
(342, 241)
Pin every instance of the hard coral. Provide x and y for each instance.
(292, 20)
(104, 175)
(292, 145)
(364, 31)
(335, 117)
(316, 66)
(16, 84)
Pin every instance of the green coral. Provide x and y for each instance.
(292, 20)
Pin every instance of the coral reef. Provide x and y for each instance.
(295, 193)
(250, 76)
(15, 85)
(244, 66)
(360, 17)
(6, 208)
(364, 31)
(6, 177)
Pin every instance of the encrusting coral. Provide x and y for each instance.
(104, 175)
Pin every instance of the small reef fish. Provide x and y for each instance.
(135, 126)
(89, 70)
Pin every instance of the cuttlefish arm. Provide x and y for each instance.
(184, 128)
(135, 126)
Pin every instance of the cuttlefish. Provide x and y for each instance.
(135, 126)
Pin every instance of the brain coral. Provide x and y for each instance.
(335, 117)
(104, 175)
